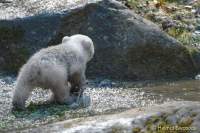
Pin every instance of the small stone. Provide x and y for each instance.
(197, 77)
(193, 11)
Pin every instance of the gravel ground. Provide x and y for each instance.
(107, 97)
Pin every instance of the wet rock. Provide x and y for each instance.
(175, 115)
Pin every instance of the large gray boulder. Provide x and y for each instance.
(126, 45)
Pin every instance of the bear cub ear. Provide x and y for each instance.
(65, 39)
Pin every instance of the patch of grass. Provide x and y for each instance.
(182, 35)
(136, 130)
(117, 129)
(158, 3)
(175, 32)
(185, 19)
(133, 3)
(197, 4)
(42, 113)
(185, 38)
(38, 111)
(37, 114)
(171, 0)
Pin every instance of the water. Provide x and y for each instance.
(188, 90)
(107, 97)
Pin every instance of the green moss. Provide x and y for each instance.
(171, 1)
(186, 123)
(192, 50)
(185, 38)
(117, 129)
(182, 33)
(136, 130)
(197, 4)
(148, 122)
(175, 32)
(2, 125)
(152, 122)
(35, 111)
(159, 124)
(156, 119)
(193, 114)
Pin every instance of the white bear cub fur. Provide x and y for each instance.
(59, 68)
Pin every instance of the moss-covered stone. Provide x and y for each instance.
(186, 122)
(136, 130)
(117, 129)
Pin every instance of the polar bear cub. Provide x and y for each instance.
(60, 68)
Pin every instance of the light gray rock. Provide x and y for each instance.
(154, 118)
